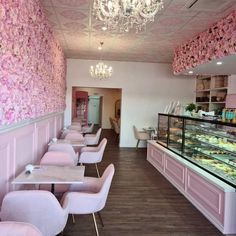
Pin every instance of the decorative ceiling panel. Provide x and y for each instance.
(80, 33)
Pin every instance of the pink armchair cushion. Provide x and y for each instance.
(93, 139)
(65, 147)
(12, 228)
(90, 196)
(37, 207)
(57, 158)
(90, 155)
(74, 136)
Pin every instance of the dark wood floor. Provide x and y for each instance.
(141, 201)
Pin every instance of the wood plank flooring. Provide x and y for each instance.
(141, 201)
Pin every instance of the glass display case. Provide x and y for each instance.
(211, 145)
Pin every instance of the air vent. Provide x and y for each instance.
(207, 6)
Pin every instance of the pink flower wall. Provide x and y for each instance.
(32, 64)
(218, 41)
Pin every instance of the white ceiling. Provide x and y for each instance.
(80, 33)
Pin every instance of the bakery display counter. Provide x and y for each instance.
(211, 145)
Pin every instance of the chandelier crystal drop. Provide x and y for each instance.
(101, 70)
(123, 15)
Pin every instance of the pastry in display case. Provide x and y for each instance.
(211, 145)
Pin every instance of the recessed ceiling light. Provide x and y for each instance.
(104, 28)
(219, 63)
(190, 72)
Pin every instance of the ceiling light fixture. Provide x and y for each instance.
(219, 63)
(123, 15)
(190, 72)
(101, 70)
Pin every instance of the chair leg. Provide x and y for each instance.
(97, 170)
(100, 218)
(73, 218)
(95, 224)
(137, 143)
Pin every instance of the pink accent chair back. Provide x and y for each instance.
(57, 158)
(91, 196)
(93, 139)
(74, 136)
(140, 135)
(40, 208)
(66, 148)
(88, 129)
(12, 228)
(93, 155)
(65, 132)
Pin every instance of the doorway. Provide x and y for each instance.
(94, 109)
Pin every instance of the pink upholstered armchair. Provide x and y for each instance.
(93, 155)
(88, 129)
(93, 139)
(37, 207)
(64, 147)
(74, 136)
(13, 228)
(90, 197)
(140, 135)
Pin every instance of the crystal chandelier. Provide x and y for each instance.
(124, 15)
(101, 70)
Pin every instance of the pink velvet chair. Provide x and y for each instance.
(93, 139)
(74, 136)
(37, 207)
(91, 196)
(58, 159)
(64, 147)
(67, 131)
(13, 228)
(93, 155)
(88, 129)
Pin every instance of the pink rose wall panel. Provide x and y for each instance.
(32, 64)
(216, 42)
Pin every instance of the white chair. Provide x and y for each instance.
(93, 155)
(67, 131)
(140, 135)
(65, 147)
(13, 228)
(90, 197)
(37, 207)
(93, 139)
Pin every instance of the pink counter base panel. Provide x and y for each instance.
(215, 202)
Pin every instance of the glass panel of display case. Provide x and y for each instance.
(162, 129)
(175, 134)
(212, 146)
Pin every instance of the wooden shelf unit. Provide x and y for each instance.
(211, 91)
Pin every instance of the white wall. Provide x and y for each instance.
(110, 96)
(146, 89)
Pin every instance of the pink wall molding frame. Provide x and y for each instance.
(24, 145)
(32, 64)
(216, 42)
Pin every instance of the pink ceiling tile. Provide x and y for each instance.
(74, 26)
(73, 14)
(71, 3)
(173, 21)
